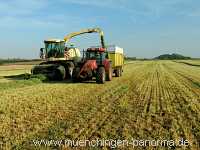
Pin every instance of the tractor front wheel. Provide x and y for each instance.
(109, 74)
(101, 75)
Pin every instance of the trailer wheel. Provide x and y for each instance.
(117, 72)
(109, 74)
(101, 75)
(121, 70)
(75, 74)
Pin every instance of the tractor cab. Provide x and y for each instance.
(96, 53)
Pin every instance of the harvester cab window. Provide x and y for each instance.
(55, 49)
(62, 46)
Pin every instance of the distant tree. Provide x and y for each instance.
(130, 58)
(171, 57)
(14, 60)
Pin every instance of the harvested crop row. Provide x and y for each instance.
(185, 106)
(152, 100)
(35, 113)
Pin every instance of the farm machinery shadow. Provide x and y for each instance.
(16, 77)
(43, 79)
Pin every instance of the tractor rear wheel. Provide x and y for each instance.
(109, 74)
(75, 74)
(101, 75)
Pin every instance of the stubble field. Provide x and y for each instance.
(153, 100)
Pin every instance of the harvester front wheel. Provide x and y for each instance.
(60, 73)
(101, 75)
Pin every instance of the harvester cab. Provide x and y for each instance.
(54, 48)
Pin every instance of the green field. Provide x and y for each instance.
(153, 100)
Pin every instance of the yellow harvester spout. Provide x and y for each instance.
(93, 30)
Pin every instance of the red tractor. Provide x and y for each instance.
(95, 63)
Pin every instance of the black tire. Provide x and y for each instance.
(117, 72)
(75, 74)
(121, 72)
(109, 74)
(59, 73)
(70, 69)
(101, 75)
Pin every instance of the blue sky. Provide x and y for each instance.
(144, 28)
